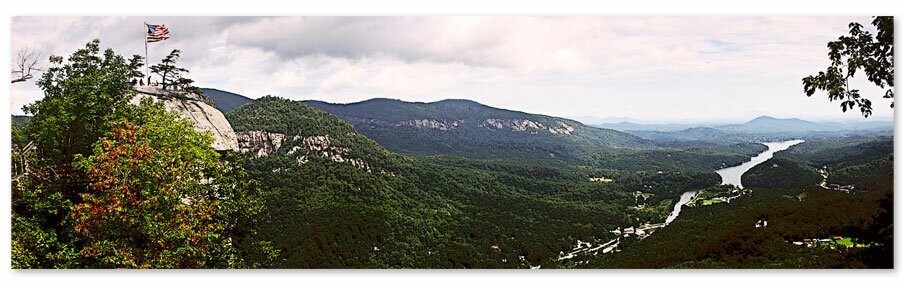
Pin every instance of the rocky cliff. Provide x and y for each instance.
(304, 148)
(521, 125)
(260, 142)
(193, 108)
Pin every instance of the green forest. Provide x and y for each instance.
(724, 235)
(114, 183)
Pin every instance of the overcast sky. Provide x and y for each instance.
(651, 69)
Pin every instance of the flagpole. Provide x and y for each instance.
(147, 67)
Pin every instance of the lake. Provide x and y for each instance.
(733, 175)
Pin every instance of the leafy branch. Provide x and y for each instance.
(859, 50)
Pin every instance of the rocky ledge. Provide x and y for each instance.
(443, 125)
(304, 148)
(527, 125)
(192, 107)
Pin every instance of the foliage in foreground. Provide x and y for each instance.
(860, 50)
(117, 185)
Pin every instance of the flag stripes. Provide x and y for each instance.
(157, 33)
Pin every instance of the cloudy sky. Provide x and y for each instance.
(651, 69)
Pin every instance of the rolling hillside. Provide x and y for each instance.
(337, 199)
(468, 128)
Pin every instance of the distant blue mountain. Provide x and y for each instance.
(767, 124)
(225, 101)
(632, 126)
(760, 128)
(762, 124)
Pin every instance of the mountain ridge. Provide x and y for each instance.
(760, 124)
(466, 127)
(225, 101)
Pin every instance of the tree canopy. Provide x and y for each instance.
(126, 185)
(159, 197)
(859, 50)
(80, 96)
(172, 75)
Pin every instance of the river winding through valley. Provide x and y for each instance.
(730, 176)
(733, 175)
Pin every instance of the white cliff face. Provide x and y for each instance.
(303, 148)
(259, 142)
(527, 125)
(204, 117)
(562, 129)
(443, 125)
(321, 144)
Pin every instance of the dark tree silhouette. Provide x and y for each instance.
(170, 74)
(858, 50)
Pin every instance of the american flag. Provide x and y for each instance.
(157, 33)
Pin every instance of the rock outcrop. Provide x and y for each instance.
(562, 129)
(192, 107)
(527, 125)
(321, 144)
(303, 148)
(260, 142)
(443, 125)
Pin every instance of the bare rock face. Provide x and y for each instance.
(204, 117)
(527, 125)
(443, 125)
(515, 125)
(562, 129)
(260, 142)
(303, 148)
(314, 145)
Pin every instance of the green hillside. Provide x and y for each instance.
(429, 212)
(468, 128)
(785, 191)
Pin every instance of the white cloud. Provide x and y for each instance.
(414, 79)
(656, 68)
(350, 76)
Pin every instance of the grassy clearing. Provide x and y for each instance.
(712, 201)
(844, 242)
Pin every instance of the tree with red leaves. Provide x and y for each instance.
(160, 198)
